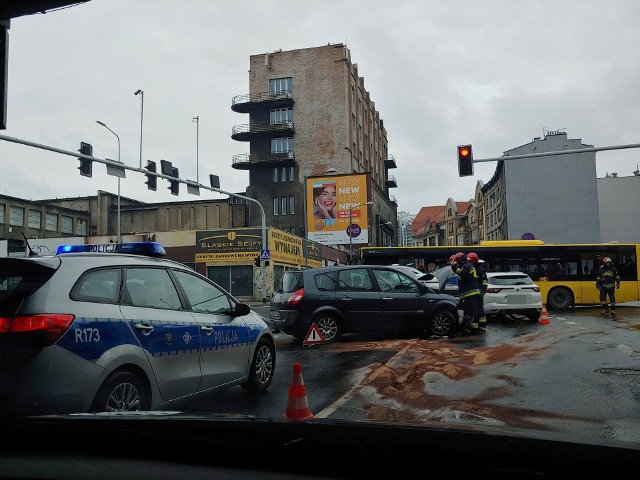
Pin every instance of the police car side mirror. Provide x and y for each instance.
(242, 309)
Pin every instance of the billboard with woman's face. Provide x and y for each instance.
(329, 202)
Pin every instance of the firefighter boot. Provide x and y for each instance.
(482, 325)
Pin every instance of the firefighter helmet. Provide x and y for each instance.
(459, 257)
(473, 257)
(606, 261)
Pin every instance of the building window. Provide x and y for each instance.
(280, 115)
(281, 85)
(292, 205)
(35, 219)
(276, 203)
(292, 173)
(51, 222)
(66, 224)
(293, 230)
(283, 205)
(1, 213)
(81, 226)
(282, 145)
(275, 175)
(16, 216)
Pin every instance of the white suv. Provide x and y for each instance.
(512, 293)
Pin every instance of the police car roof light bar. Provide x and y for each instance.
(149, 249)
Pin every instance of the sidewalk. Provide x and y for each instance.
(254, 303)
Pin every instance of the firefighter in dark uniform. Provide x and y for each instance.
(607, 281)
(483, 284)
(469, 292)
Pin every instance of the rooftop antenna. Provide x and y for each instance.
(31, 252)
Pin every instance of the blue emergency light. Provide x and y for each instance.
(149, 249)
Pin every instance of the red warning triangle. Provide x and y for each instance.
(314, 335)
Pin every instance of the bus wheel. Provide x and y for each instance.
(559, 298)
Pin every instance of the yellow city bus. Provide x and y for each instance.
(566, 272)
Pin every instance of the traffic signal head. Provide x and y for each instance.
(152, 180)
(257, 261)
(174, 185)
(86, 165)
(166, 167)
(465, 160)
(214, 181)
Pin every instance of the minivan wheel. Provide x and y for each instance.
(442, 323)
(329, 326)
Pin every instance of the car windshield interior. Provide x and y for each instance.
(326, 239)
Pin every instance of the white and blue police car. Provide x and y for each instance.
(116, 327)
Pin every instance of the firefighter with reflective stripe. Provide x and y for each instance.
(483, 284)
(469, 292)
(607, 281)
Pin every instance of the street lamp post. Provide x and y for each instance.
(197, 120)
(141, 93)
(379, 232)
(105, 126)
(351, 227)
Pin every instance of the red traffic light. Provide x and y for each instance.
(465, 161)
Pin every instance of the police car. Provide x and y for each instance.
(117, 327)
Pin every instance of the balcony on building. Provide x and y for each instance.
(393, 200)
(252, 102)
(246, 161)
(390, 162)
(248, 132)
(391, 182)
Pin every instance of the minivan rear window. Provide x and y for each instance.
(292, 282)
(325, 281)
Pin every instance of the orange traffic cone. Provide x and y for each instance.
(544, 316)
(297, 404)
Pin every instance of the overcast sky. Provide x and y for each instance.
(495, 74)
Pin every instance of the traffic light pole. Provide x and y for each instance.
(192, 187)
(559, 152)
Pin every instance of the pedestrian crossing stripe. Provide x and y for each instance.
(314, 335)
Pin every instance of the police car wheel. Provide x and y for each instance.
(262, 367)
(122, 392)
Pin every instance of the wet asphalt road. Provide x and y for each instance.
(580, 373)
